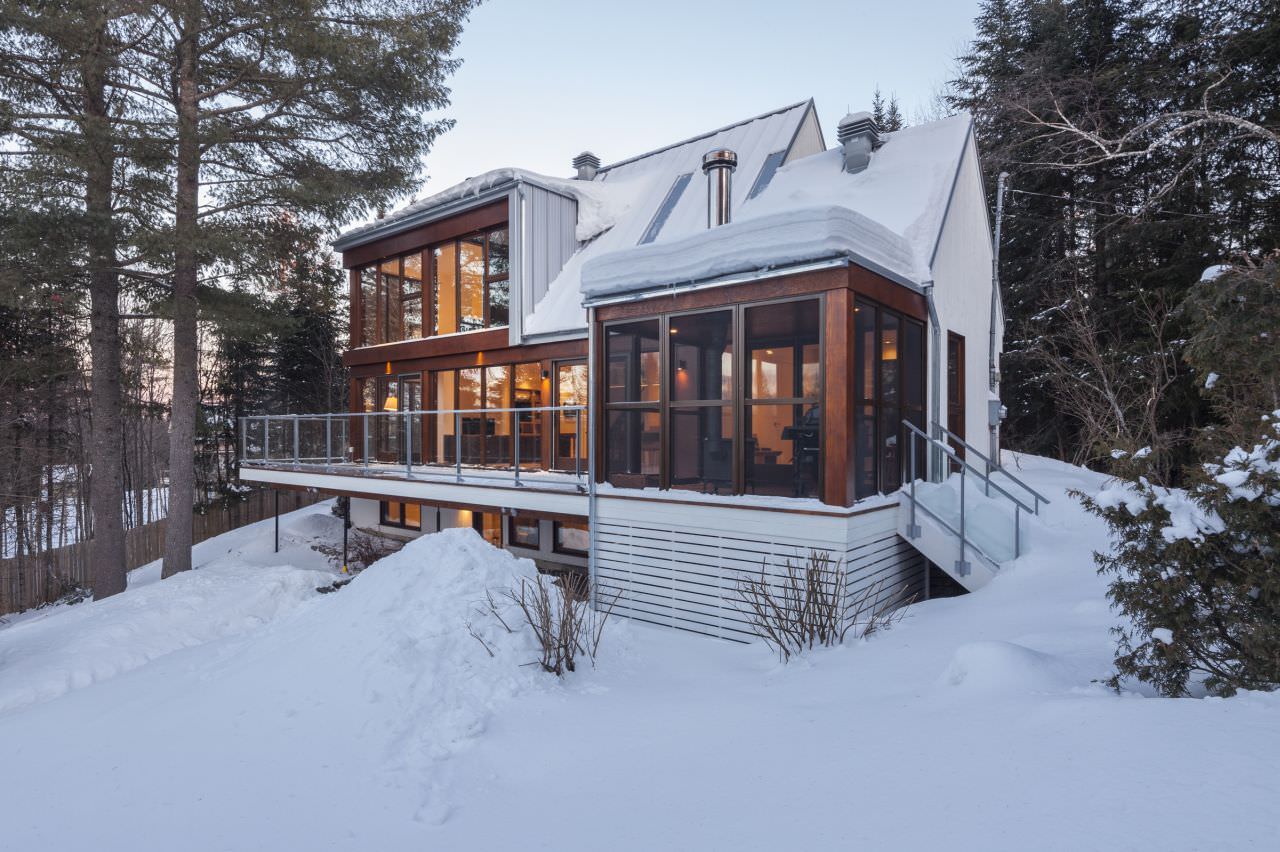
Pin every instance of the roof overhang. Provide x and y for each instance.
(678, 287)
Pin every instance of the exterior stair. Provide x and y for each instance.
(970, 516)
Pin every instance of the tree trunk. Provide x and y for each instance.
(186, 387)
(106, 480)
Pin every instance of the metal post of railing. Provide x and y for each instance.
(366, 440)
(515, 455)
(577, 444)
(266, 437)
(457, 442)
(296, 452)
(408, 444)
(328, 439)
(1017, 531)
(913, 529)
(962, 566)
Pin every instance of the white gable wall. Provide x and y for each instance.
(962, 293)
(808, 139)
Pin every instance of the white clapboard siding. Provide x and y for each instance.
(678, 564)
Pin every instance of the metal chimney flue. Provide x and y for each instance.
(587, 164)
(719, 165)
(859, 135)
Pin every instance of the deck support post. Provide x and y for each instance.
(276, 491)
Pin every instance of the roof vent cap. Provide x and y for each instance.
(718, 166)
(859, 135)
(587, 164)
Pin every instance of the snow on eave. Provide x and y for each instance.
(750, 245)
(594, 215)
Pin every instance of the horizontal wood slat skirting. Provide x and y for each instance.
(685, 574)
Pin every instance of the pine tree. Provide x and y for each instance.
(313, 108)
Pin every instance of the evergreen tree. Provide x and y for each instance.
(314, 108)
(1097, 254)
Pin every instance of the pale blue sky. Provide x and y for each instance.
(545, 79)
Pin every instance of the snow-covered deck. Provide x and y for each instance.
(471, 485)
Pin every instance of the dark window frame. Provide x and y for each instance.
(876, 401)
(487, 278)
(515, 418)
(738, 402)
(384, 519)
(556, 526)
(512, 520)
(427, 297)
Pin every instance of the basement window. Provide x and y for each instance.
(668, 204)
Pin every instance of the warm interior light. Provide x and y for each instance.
(388, 368)
(674, 330)
(392, 404)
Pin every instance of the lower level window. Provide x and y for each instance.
(489, 525)
(524, 532)
(571, 537)
(405, 515)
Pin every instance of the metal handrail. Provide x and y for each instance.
(994, 466)
(408, 416)
(971, 543)
(940, 445)
(913, 530)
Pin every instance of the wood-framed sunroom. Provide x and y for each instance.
(856, 347)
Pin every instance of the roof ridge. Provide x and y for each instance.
(707, 134)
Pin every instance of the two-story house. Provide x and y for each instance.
(679, 367)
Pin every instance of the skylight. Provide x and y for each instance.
(770, 166)
(668, 204)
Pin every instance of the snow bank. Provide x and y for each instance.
(99, 640)
(1009, 667)
(779, 239)
(369, 719)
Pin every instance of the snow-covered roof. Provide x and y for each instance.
(594, 210)
(887, 217)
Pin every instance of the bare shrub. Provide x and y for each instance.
(808, 605)
(559, 612)
(363, 549)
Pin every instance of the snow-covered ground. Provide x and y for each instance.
(237, 709)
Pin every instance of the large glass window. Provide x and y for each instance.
(888, 388)
(674, 385)
(782, 413)
(700, 376)
(571, 428)
(632, 420)
(484, 397)
(445, 277)
(368, 306)
(468, 290)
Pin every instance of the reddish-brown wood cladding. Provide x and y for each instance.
(852, 277)
(424, 235)
(428, 347)
(837, 413)
(771, 288)
(427, 359)
(842, 286)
